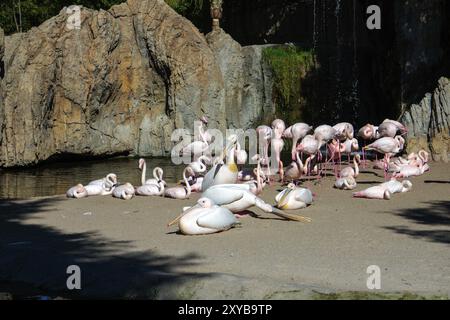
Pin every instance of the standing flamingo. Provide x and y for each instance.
(296, 132)
(387, 146)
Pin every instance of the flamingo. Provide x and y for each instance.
(309, 145)
(241, 154)
(395, 186)
(198, 166)
(151, 189)
(77, 192)
(223, 173)
(180, 192)
(278, 128)
(157, 174)
(125, 191)
(349, 171)
(295, 169)
(376, 192)
(203, 134)
(257, 185)
(296, 132)
(196, 148)
(411, 171)
(277, 147)
(344, 131)
(350, 145)
(265, 135)
(293, 198)
(400, 126)
(367, 133)
(110, 180)
(388, 146)
(345, 183)
(238, 198)
(324, 134)
(387, 129)
(105, 189)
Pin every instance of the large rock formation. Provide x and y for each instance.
(429, 122)
(119, 84)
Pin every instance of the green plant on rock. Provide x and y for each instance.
(290, 65)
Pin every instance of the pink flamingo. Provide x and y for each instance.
(264, 136)
(387, 146)
(376, 192)
(368, 133)
(296, 132)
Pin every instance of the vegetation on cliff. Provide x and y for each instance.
(290, 66)
(22, 15)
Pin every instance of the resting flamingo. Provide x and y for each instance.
(157, 174)
(124, 192)
(180, 192)
(77, 192)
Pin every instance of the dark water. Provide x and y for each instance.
(56, 178)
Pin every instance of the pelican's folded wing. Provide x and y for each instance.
(222, 196)
(219, 219)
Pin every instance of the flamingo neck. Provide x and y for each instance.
(187, 185)
(144, 172)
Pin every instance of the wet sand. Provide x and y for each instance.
(125, 250)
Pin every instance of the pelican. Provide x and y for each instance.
(376, 192)
(125, 191)
(181, 192)
(395, 186)
(223, 173)
(206, 218)
(77, 192)
(157, 174)
(293, 198)
(110, 180)
(345, 183)
(151, 189)
(239, 198)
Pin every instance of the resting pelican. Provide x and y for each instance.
(77, 192)
(157, 174)
(151, 189)
(395, 186)
(109, 180)
(239, 198)
(206, 218)
(293, 198)
(223, 173)
(181, 192)
(125, 191)
(376, 192)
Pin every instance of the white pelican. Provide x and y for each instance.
(157, 174)
(239, 198)
(293, 198)
(206, 218)
(77, 192)
(223, 173)
(125, 191)
(181, 192)
(395, 186)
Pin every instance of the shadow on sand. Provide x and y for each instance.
(436, 214)
(38, 256)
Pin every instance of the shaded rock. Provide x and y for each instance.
(429, 122)
(121, 83)
(247, 79)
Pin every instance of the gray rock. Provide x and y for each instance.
(429, 122)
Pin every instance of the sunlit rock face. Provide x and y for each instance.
(428, 122)
(119, 84)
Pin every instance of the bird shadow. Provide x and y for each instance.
(38, 256)
(436, 215)
(437, 181)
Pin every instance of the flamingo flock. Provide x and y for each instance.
(228, 190)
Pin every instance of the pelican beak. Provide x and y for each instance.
(282, 201)
(175, 221)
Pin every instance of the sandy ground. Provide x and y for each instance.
(124, 248)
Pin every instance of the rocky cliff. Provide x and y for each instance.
(121, 83)
(429, 121)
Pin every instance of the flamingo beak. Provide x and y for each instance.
(175, 221)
